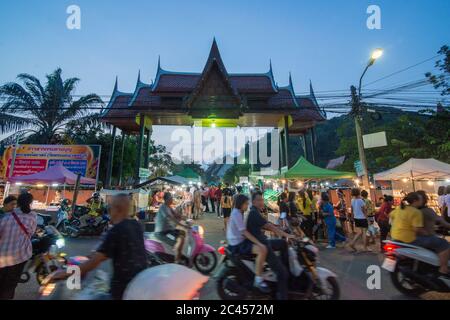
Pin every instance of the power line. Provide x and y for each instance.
(402, 70)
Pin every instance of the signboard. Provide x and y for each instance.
(375, 140)
(358, 168)
(243, 179)
(31, 158)
(144, 173)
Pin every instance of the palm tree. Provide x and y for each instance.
(41, 113)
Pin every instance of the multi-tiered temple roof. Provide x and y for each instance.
(213, 95)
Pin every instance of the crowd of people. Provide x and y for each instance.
(303, 213)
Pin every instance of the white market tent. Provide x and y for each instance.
(417, 169)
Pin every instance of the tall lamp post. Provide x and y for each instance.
(357, 111)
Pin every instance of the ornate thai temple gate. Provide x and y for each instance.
(212, 97)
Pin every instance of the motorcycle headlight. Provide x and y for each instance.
(53, 250)
(201, 231)
(60, 243)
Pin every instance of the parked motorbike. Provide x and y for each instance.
(93, 227)
(195, 252)
(46, 257)
(413, 269)
(235, 277)
(63, 217)
(43, 220)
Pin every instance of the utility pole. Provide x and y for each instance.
(357, 114)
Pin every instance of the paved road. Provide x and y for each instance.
(351, 268)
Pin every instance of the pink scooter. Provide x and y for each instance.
(195, 251)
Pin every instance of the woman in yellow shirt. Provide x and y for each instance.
(407, 220)
(304, 204)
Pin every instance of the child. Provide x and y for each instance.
(240, 241)
(371, 230)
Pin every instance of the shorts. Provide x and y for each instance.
(432, 243)
(361, 223)
(245, 247)
(226, 212)
(169, 237)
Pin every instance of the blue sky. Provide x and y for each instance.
(325, 41)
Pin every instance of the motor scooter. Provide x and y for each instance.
(195, 251)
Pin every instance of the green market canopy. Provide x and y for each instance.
(190, 174)
(303, 169)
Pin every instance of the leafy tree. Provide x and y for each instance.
(42, 112)
(440, 80)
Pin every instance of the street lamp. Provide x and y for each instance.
(357, 110)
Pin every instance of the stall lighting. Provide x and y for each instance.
(300, 184)
(357, 181)
(55, 184)
(405, 180)
(40, 185)
(18, 183)
(430, 183)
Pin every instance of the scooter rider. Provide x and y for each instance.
(255, 225)
(123, 244)
(96, 209)
(429, 239)
(167, 221)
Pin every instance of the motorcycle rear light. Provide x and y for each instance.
(221, 250)
(389, 247)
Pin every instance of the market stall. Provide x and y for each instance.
(45, 185)
(416, 174)
(303, 171)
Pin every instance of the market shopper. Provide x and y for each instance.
(304, 204)
(226, 203)
(359, 214)
(217, 198)
(197, 208)
(9, 204)
(370, 213)
(123, 244)
(341, 207)
(382, 218)
(441, 199)
(205, 197)
(16, 230)
(446, 207)
(187, 202)
(327, 211)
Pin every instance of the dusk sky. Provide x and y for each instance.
(325, 41)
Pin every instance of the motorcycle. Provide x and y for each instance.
(43, 220)
(46, 257)
(92, 228)
(195, 252)
(413, 269)
(63, 217)
(306, 281)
